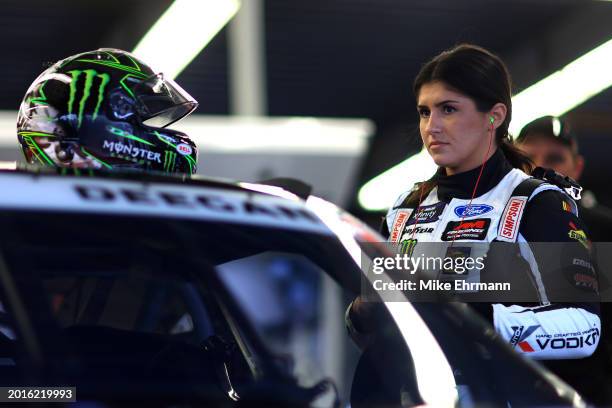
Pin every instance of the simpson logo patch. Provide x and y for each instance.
(398, 224)
(472, 230)
(509, 224)
(427, 213)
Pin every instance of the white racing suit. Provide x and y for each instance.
(541, 329)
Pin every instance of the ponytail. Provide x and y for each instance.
(515, 156)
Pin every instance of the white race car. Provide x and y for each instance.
(164, 291)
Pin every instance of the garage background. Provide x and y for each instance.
(349, 63)
(326, 59)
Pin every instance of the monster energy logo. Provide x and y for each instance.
(407, 246)
(169, 160)
(90, 74)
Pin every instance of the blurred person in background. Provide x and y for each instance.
(106, 109)
(464, 105)
(550, 144)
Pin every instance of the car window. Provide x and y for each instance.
(286, 296)
(299, 311)
(280, 293)
(126, 301)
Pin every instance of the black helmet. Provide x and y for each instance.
(106, 109)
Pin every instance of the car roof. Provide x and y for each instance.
(266, 213)
(156, 195)
(126, 175)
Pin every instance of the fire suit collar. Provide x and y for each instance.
(461, 185)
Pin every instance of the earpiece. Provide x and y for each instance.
(484, 159)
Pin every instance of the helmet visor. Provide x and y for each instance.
(161, 101)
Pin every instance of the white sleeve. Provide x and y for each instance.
(548, 332)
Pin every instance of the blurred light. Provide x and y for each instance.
(556, 126)
(434, 374)
(182, 32)
(272, 190)
(6, 165)
(214, 134)
(250, 135)
(565, 89)
(378, 194)
(554, 95)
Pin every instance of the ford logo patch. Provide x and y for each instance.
(472, 210)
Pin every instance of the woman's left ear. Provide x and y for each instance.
(497, 115)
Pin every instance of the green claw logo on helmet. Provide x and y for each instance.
(90, 74)
(106, 109)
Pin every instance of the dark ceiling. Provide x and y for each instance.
(336, 58)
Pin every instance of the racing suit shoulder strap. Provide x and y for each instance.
(509, 224)
(527, 187)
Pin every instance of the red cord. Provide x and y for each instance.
(484, 160)
(416, 211)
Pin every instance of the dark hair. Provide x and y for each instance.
(482, 76)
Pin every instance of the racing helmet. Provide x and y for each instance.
(106, 109)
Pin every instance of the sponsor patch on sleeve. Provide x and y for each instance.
(582, 275)
(510, 220)
(579, 235)
(466, 230)
(566, 206)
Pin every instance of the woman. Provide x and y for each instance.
(479, 195)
